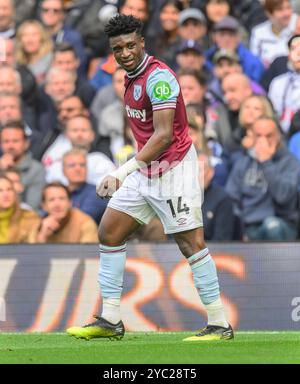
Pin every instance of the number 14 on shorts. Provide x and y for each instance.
(181, 207)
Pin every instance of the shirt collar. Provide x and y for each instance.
(140, 68)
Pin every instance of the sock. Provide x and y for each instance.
(111, 310)
(112, 266)
(207, 284)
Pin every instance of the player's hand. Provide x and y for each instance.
(7, 161)
(108, 187)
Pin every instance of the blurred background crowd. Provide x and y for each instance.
(64, 127)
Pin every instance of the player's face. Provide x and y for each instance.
(128, 50)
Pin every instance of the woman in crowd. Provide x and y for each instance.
(168, 40)
(252, 109)
(16, 224)
(34, 49)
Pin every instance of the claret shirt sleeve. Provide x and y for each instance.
(163, 89)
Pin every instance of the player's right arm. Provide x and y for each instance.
(163, 90)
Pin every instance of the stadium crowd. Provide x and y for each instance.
(64, 125)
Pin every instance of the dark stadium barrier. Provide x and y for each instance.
(51, 287)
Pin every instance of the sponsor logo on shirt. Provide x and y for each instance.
(136, 113)
(162, 90)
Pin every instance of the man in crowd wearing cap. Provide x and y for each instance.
(227, 36)
(192, 26)
(227, 62)
(190, 55)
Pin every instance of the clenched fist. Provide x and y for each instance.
(108, 187)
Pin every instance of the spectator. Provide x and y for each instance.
(193, 86)
(111, 116)
(89, 18)
(11, 109)
(79, 134)
(253, 108)
(14, 146)
(225, 63)
(216, 10)
(29, 87)
(52, 15)
(190, 55)
(59, 84)
(284, 90)
(269, 39)
(107, 96)
(166, 43)
(207, 145)
(236, 89)
(70, 107)
(34, 49)
(65, 58)
(263, 185)
(64, 224)
(217, 208)
(7, 23)
(226, 36)
(14, 175)
(192, 26)
(83, 194)
(16, 224)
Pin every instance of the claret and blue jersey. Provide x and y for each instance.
(153, 87)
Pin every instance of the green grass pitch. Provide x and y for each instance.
(150, 348)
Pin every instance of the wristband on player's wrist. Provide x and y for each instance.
(126, 169)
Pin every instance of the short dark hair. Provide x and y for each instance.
(15, 125)
(55, 184)
(200, 76)
(64, 47)
(123, 25)
(271, 5)
(290, 42)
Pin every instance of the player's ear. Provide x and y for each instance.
(142, 42)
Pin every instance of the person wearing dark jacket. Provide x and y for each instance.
(227, 36)
(52, 15)
(217, 207)
(83, 195)
(264, 186)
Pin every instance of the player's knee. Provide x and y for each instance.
(189, 247)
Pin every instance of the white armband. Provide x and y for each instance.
(126, 169)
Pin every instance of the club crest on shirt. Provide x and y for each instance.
(137, 92)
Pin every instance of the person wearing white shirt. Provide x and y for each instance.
(79, 133)
(269, 39)
(284, 89)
